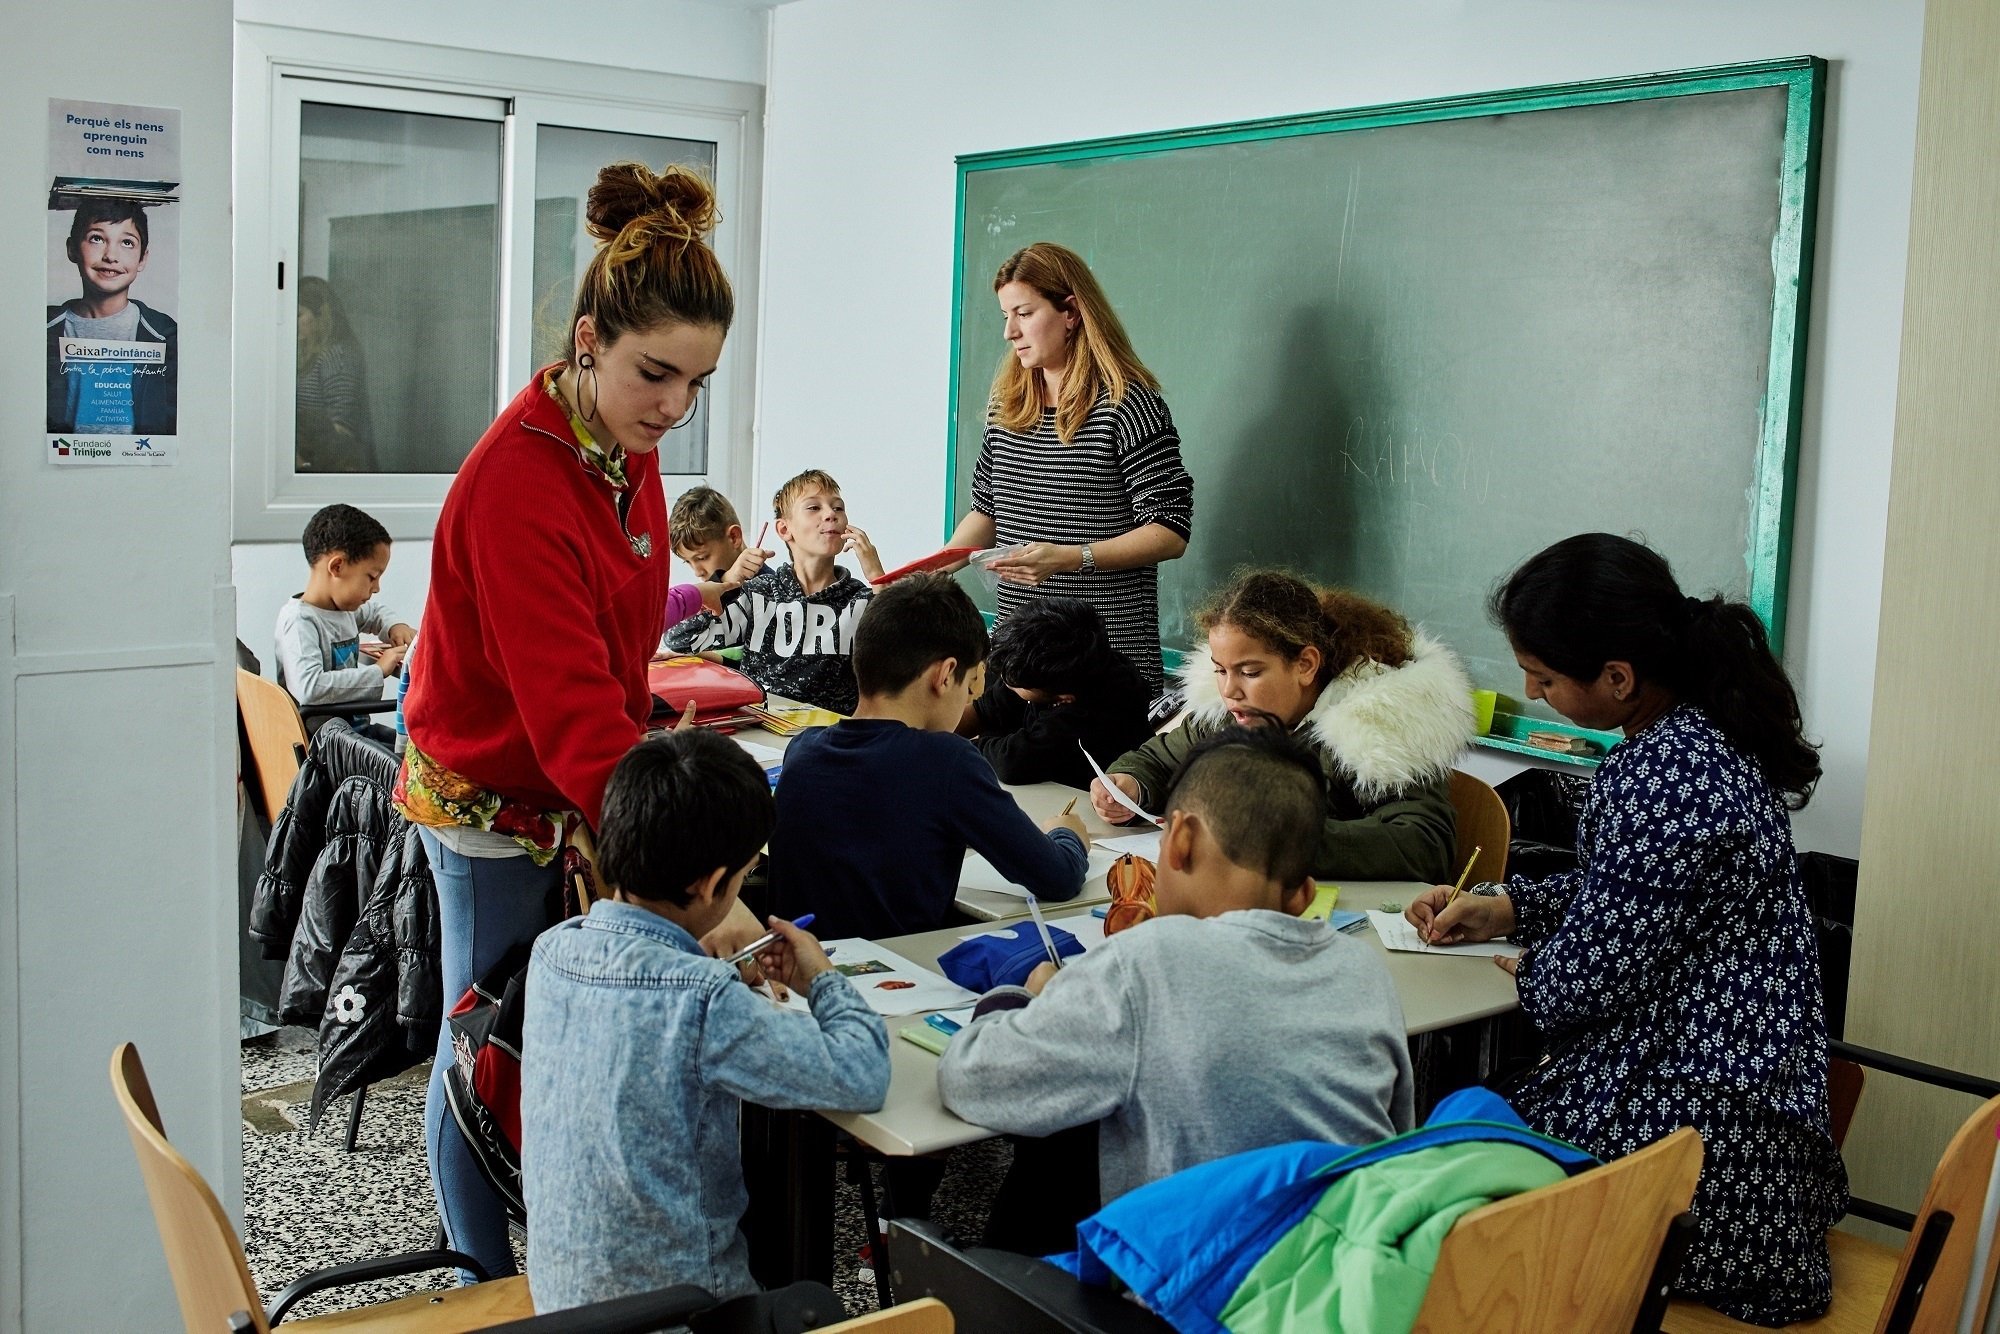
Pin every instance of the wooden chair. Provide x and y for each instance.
(1581, 1256)
(927, 1315)
(1916, 1291)
(206, 1260)
(1578, 1256)
(276, 737)
(1483, 823)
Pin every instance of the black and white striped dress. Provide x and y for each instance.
(1122, 471)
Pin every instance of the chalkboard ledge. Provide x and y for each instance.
(1510, 733)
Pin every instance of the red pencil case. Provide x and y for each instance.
(718, 692)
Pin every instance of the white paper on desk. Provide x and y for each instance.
(1088, 930)
(1117, 792)
(1139, 845)
(766, 756)
(982, 874)
(1397, 933)
(868, 965)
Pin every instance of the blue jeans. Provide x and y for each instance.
(486, 906)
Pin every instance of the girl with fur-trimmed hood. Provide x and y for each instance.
(1387, 707)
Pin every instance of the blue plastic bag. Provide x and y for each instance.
(1003, 957)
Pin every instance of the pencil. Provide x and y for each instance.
(760, 534)
(1462, 876)
(1071, 807)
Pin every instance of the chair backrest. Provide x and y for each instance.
(1483, 823)
(927, 1315)
(1575, 1256)
(1958, 1187)
(1844, 1080)
(276, 736)
(203, 1255)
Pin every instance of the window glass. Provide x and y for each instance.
(566, 165)
(399, 263)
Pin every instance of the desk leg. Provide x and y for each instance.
(788, 1171)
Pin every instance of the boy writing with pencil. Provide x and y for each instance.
(704, 531)
(875, 813)
(796, 622)
(639, 1049)
(1224, 1024)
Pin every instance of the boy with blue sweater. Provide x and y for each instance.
(875, 813)
(639, 1048)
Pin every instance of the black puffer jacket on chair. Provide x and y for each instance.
(346, 898)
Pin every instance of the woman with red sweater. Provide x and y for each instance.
(548, 596)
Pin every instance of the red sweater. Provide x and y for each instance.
(529, 677)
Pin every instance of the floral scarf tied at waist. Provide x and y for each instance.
(429, 794)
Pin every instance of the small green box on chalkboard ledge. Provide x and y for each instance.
(1546, 738)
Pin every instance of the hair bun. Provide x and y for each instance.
(675, 203)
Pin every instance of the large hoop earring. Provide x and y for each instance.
(586, 385)
(694, 406)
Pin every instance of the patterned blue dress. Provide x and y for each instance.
(1674, 978)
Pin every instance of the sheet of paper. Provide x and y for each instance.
(981, 874)
(1397, 934)
(766, 756)
(1088, 930)
(891, 984)
(1142, 845)
(1117, 792)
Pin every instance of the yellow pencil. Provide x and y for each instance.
(1071, 807)
(1462, 875)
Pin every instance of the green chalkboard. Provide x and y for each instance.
(1408, 346)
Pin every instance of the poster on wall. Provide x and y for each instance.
(113, 284)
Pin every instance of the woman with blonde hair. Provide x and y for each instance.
(1080, 471)
(1387, 708)
(548, 596)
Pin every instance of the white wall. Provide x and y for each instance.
(868, 102)
(118, 879)
(687, 37)
(710, 41)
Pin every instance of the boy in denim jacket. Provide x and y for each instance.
(639, 1048)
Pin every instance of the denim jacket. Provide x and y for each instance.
(637, 1054)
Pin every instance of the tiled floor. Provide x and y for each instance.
(308, 1203)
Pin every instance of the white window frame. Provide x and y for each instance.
(272, 501)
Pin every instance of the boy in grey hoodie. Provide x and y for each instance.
(1223, 1024)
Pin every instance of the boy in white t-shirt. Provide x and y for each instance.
(320, 658)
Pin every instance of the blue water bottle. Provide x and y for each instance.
(402, 689)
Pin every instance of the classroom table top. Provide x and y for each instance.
(1437, 991)
(1040, 800)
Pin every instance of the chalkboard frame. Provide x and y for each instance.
(1804, 79)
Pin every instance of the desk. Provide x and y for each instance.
(1042, 801)
(787, 1158)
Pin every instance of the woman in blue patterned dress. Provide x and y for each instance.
(1674, 975)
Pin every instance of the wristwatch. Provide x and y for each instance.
(1089, 563)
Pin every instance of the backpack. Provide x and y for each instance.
(483, 1084)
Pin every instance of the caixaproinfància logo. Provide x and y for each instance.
(82, 449)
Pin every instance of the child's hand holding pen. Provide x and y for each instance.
(794, 958)
(1068, 819)
(1039, 978)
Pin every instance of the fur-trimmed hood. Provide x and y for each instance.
(1383, 728)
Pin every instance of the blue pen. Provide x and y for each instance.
(765, 941)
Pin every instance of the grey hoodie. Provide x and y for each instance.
(1191, 1039)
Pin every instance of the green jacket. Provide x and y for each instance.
(1388, 738)
(1361, 1259)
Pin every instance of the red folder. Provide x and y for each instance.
(719, 693)
(937, 560)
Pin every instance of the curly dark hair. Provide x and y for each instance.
(342, 528)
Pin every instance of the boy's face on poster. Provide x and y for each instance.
(109, 256)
